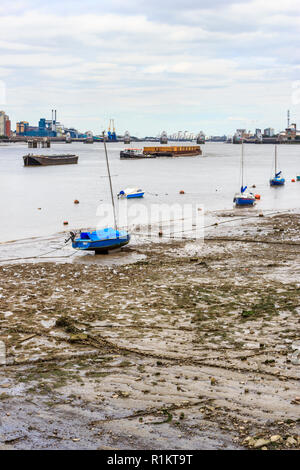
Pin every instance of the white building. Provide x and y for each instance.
(269, 132)
(2, 123)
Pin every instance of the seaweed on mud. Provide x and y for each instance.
(66, 323)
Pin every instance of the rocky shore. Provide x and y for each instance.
(186, 348)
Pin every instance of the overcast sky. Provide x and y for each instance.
(152, 65)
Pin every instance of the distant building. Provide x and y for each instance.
(5, 125)
(45, 128)
(290, 134)
(8, 128)
(269, 132)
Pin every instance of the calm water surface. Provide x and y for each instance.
(210, 179)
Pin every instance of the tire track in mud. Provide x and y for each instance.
(153, 411)
(107, 345)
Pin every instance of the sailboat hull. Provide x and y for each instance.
(277, 181)
(242, 201)
(101, 241)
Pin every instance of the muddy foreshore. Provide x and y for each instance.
(174, 351)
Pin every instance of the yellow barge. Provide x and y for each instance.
(176, 151)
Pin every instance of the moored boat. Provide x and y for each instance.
(277, 180)
(134, 154)
(243, 198)
(298, 178)
(131, 193)
(103, 240)
(45, 160)
(174, 151)
(100, 241)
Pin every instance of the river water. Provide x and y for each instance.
(35, 201)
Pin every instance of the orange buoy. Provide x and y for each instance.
(257, 196)
(181, 192)
(293, 180)
(66, 222)
(76, 201)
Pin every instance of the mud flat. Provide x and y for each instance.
(186, 348)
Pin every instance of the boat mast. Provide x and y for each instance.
(110, 185)
(242, 164)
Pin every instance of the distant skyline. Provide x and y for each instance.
(152, 66)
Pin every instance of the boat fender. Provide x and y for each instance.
(257, 196)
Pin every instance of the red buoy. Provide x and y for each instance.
(66, 222)
(181, 192)
(293, 180)
(257, 196)
(76, 201)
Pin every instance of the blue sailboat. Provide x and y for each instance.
(244, 197)
(101, 241)
(277, 180)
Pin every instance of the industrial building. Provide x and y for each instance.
(46, 128)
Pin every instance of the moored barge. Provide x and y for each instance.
(45, 160)
(134, 154)
(176, 151)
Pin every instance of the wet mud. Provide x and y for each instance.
(182, 346)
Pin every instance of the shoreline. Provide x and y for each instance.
(183, 347)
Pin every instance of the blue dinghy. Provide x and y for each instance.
(100, 241)
(131, 193)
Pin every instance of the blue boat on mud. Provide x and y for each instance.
(106, 239)
(277, 180)
(100, 241)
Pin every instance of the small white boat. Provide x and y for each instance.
(131, 192)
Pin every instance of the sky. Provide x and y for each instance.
(151, 65)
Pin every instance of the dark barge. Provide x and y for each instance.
(134, 154)
(45, 160)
